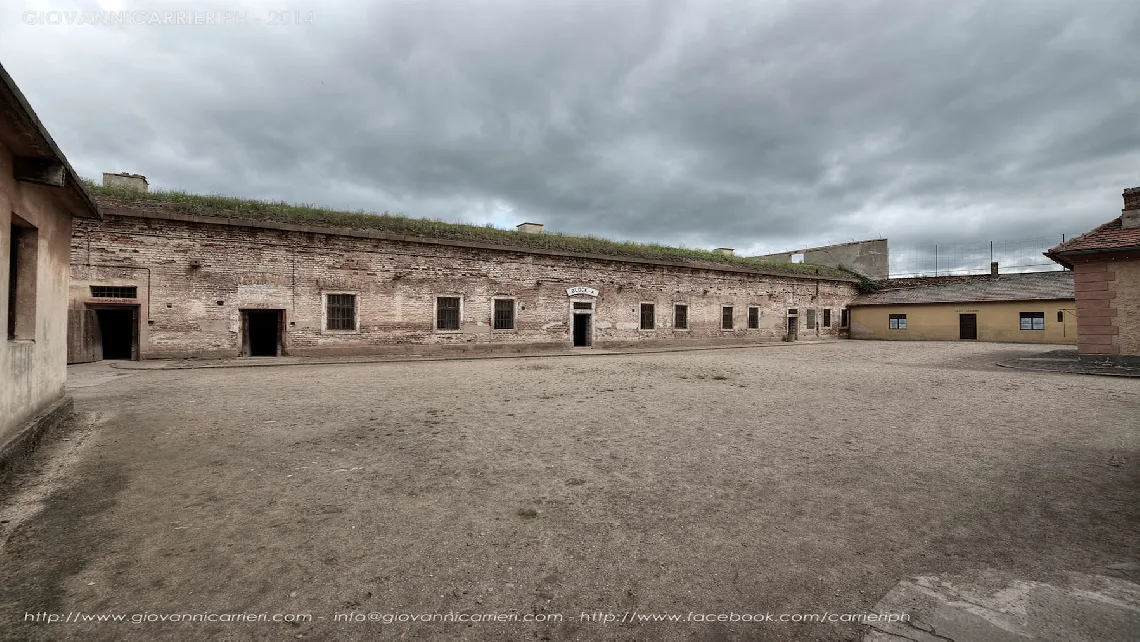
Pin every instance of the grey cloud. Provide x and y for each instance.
(757, 125)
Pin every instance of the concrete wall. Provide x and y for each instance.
(997, 321)
(183, 269)
(1108, 303)
(33, 369)
(869, 258)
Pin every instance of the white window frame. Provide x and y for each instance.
(514, 316)
(896, 323)
(688, 319)
(720, 321)
(435, 312)
(325, 312)
(1033, 319)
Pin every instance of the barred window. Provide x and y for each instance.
(115, 291)
(447, 313)
(726, 317)
(583, 305)
(647, 316)
(753, 318)
(827, 317)
(504, 314)
(811, 319)
(681, 317)
(843, 318)
(1032, 320)
(897, 321)
(340, 312)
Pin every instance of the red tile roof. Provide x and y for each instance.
(1107, 237)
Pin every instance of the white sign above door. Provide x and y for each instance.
(581, 289)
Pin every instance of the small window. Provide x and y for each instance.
(340, 312)
(504, 314)
(681, 317)
(811, 319)
(447, 313)
(22, 268)
(1032, 320)
(646, 316)
(843, 318)
(827, 317)
(726, 317)
(583, 305)
(114, 292)
(898, 322)
(1060, 316)
(753, 318)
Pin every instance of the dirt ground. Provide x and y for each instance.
(784, 480)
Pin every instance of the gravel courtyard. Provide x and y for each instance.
(782, 480)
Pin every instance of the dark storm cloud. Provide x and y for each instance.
(755, 125)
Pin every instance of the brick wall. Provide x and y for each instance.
(195, 277)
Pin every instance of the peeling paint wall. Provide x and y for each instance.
(33, 369)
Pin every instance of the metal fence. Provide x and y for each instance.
(944, 259)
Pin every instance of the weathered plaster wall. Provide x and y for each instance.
(33, 370)
(1127, 303)
(997, 321)
(183, 269)
(869, 258)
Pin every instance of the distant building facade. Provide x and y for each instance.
(39, 195)
(1106, 268)
(151, 281)
(1017, 308)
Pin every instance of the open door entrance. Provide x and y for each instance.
(263, 333)
(967, 326)
(582, 330)
(118, 331)
(793, 328)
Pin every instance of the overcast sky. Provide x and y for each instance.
(760, 125)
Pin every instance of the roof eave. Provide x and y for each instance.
(87, 206)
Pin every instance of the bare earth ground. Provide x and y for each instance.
(771, 480)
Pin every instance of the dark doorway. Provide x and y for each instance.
(262, 333)
(793, 328)
(116, 332)
(967, 326)
(582, 329)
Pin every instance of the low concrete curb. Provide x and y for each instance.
(31, 432)
(260, 362)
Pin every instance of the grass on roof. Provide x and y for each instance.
(280, 212)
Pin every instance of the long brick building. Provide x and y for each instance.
(166, 276)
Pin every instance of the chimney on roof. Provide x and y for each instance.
(530, 228)
(1130, 217)
(724, 250)
(993, 268)
(125, 181)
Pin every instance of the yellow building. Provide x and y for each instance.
(1016, 308)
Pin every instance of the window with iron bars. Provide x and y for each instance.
(753, 318)
(447, 313)
(340, 312)
(681, 317)
(504, 314)
(726, 317)
(811, 319)
(115, 291)
(827, 317)
(647, 319)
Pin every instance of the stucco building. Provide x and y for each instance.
(39, 195)
(1018, 308)
(1106, 268)
(164, 276)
